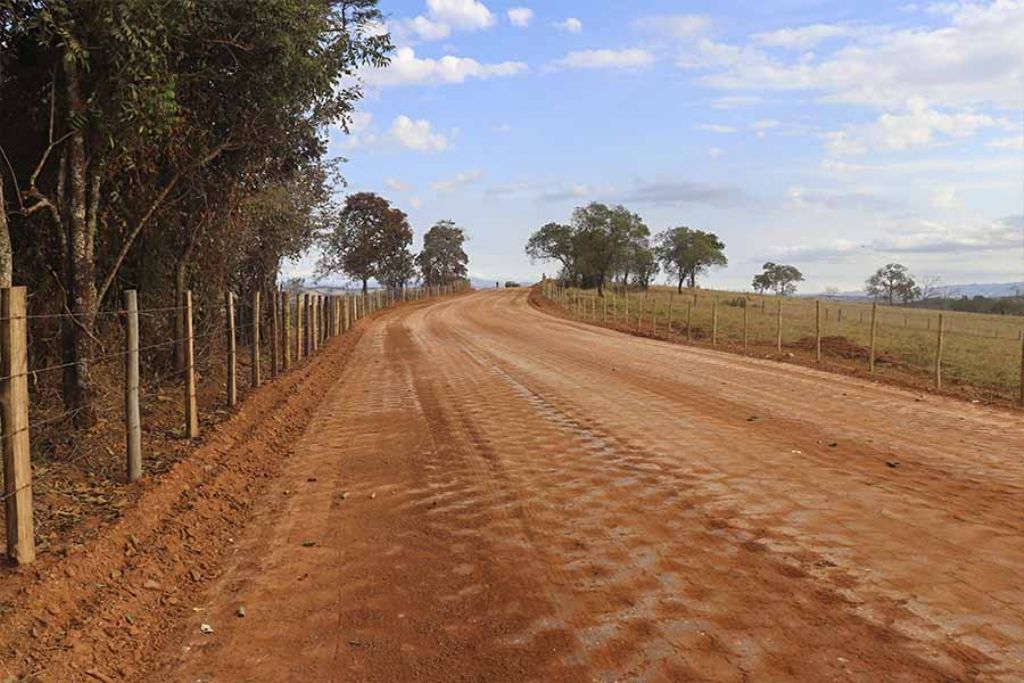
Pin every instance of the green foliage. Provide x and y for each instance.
(893, 282)
(443, 259)
(369, 240)
(159, 144)
(686, 253)
(599, 242)
(778, 278)
(556, 242)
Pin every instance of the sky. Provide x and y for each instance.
(836, 136)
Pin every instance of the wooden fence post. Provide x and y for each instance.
(347, 321)
(275, 368)
(938, 353)
(311, 326)
(714, 323)
(300, 311)
(191, 405)
(286, 331)
(874, 336)
(232, 388)
(21, 545)
(255, 347)
(1022, 368)
(132, 421)
(307, 325)
(817, 330)
(746, 317)
(689, 320)
(671, 303)
(778, 326)
(654, 315)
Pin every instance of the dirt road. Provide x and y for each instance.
(494, 494)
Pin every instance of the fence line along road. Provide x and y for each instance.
(317, 318)
(984, 352)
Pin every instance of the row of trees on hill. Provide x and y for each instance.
(603, 244)
(372, 240)
(164, 146)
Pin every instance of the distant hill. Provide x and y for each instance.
(992, 290)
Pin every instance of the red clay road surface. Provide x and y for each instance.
(494, 494)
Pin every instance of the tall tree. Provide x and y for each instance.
(686, 253)
(556, 242)
(893, 282)
(443, 259)
(367, 231)
(645, 267)
(396, 264)
(605, 234)
(778, 278)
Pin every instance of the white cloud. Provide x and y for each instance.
(975, 58)
(570, 25)
(415, 202)
(397, 185)
(460, 181)
(503, 128)
(980, 166)
(520, 16)
(1015, 142)
(765, 124)
(441, 18)
(945, 198)
(802, 38)
(421, 27)
(468, 15)
(716, 128)
(417, 135)
(736, 101)
(919, 126)
(606, 59)
(408, 69)
(714, 152)
(675, 26)
(360, 133)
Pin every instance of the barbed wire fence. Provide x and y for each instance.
(980, 351)
(296, 326)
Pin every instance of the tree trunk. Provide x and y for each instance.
(679, 289)
(180, 285)
(81, 267)
(6, 257)
(366, 286)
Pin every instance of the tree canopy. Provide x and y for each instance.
(600, 243)
(686, 253)
(164, 145)
(443, 259)
(369, 240)
(893, 282)
(778, 278)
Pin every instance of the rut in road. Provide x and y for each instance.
(490, 493)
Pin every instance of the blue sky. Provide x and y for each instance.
(837, 136)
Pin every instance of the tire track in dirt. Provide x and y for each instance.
(533, 499)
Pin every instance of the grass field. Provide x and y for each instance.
(982, 351)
